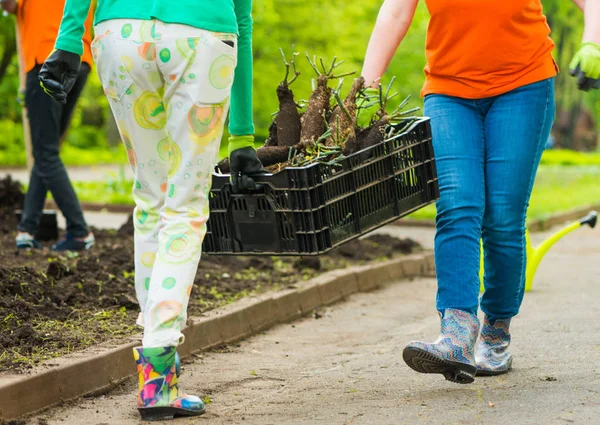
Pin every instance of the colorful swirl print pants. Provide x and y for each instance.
(168, 86)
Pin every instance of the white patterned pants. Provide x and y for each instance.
(168, 86)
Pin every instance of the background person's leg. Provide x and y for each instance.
(37, 190)
(35, 197)
(517, 127)
(458, 142)
(45, 117)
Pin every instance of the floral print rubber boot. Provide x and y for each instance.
(452, 354)
(160, 397)
(491, 356)
(177, 365)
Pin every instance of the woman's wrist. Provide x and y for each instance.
(240, 142)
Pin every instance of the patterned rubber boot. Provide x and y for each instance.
(452, 354)
(491, 356)
(177, 365)
(160, 397)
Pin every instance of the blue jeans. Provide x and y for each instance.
(487, 154)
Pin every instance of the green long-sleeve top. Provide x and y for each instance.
(231, 16)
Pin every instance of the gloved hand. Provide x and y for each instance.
(586, 66)
(59, 73)
(366, 114)
(243, 163)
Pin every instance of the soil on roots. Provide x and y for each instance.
(52, 304)
(288, 118)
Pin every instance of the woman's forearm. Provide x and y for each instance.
(393, 22)
(591, 13)
(72, 26)
(240, 115)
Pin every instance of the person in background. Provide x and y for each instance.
(489, 92)
(168, 70)
(38, 22)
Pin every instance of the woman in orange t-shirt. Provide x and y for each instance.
(489, 92)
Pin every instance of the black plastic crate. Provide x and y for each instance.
(310, 210)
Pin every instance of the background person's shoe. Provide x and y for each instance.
(452, 354)
(160, 397)
(70, 243)
(492, 356)
(27, 241)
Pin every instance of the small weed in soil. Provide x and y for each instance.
(51, 305)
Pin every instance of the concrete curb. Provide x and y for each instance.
(81, 375)
(534, 226)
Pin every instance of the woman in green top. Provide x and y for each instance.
(167, 69)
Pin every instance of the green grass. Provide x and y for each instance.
(427, 213)
(71, 156)
(564, 188)
(567, 157)
(115, 192)
(557, 189)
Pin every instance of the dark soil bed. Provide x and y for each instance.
(51, 304)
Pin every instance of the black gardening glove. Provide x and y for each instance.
(59, 73)
(244, 165)
(583, 81)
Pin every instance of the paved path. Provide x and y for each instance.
(346, 367)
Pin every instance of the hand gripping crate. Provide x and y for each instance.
(312, 209)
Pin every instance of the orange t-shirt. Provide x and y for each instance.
(483, 48)
(39, 21)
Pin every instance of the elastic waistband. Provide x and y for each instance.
(153, 31)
